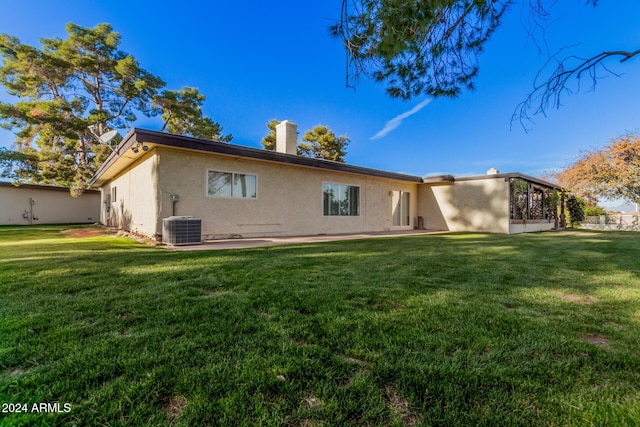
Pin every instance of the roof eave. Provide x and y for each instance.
(215, 147)
(512, 175)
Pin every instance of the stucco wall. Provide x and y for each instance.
(289, 198)
(135, 206)
(51, 206)
(476, 205)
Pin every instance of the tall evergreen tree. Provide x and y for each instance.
(70, 84)
(322, 143)
(319, 142)
(269, 140)
(182, 114)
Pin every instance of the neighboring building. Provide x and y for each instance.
(247, 192)
(29, 204)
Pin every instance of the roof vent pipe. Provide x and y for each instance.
(286, 137)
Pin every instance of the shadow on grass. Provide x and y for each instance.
(440, 329)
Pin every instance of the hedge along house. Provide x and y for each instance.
(247, 192)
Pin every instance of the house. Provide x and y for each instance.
(239, 191)
(29, 204)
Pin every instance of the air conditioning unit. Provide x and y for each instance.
(181, 230)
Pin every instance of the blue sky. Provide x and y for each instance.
(261, 60)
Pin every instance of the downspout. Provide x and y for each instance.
(174, 200)
(31, 203)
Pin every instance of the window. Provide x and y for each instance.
(401, 211)
(530, 201)
(229, 184)
(341, 200)
(114, 194)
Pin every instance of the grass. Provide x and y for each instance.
(458, 329)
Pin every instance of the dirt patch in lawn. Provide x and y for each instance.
(399, 406)
(15, 372)
(352, 360)
(174, 407)
(83, 233)
(599, 340)
(311, 423)
(215, 293)
(580, 299)
(312, 402)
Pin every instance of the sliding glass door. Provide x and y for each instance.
(401, 208)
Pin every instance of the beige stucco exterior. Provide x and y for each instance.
(473, 205)
(34, 204)
(152, 176)
(131, 201)
(289, 198)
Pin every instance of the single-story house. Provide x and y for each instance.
(238, 191)
(28, 204)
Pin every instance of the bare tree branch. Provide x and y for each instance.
(547, 93)
(432, 48)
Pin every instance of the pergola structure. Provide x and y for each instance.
(532, 201)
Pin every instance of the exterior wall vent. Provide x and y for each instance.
(181, 230)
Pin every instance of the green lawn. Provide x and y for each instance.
(459, 329)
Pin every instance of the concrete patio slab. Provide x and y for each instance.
(244, 243)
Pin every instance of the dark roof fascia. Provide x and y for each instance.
(511, 175)
(190, 143)
(42, 187)
(124, 145)
(438, 179)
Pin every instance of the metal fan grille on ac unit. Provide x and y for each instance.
(181, 230)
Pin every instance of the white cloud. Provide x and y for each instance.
(397, 120)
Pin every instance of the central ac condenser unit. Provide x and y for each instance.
(181, 230)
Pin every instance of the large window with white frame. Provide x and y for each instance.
(401, 208)
(231, 185)
(340, 199)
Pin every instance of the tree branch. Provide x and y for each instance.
(549, 92)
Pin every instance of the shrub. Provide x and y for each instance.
(575, 206)
(594, 210)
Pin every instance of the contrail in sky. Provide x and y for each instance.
(397, 120)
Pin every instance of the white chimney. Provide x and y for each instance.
(493, 171)
(286, 137)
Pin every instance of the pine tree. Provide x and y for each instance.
(68, 85)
